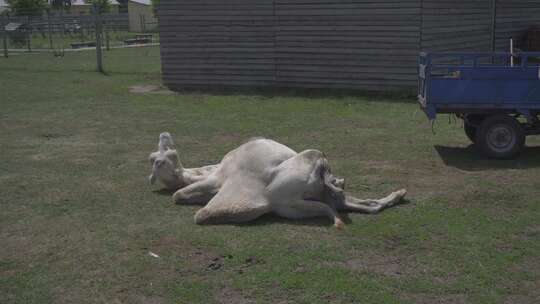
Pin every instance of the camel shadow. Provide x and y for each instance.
(271, 219)
(469, 159)
(164, 191)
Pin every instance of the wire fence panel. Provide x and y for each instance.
(56, 30)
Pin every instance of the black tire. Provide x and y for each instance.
(500, 137)
(470, 131)
(471, 122)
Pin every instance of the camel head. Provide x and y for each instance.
(165, 163)
(164, 169)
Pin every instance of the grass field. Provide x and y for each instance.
(78, 219)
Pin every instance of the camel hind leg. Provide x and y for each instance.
(239, 212)
(304, 208)
(351, 203)
(238, 201)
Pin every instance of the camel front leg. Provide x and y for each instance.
(371, 205)
(198, 193)
(193, 175)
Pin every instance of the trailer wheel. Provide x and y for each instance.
(470, 131)
(471, 122)
(500, 136)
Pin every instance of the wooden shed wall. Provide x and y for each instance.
(351, 44)
(514, 17)
(346, 44)
(217, 42)
(463, 25)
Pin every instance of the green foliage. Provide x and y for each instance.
(155, 4)
(103, 6)
(58, 4)
(28, 7)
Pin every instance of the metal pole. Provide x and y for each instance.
(107, 40)
(28, 34)
(4, 38)
(62, 29)
(143, 24)
(98, 38)
(49, 29)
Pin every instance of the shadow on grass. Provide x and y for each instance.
(469, 159)
(270, 219)
(164, 191)
(397, 96)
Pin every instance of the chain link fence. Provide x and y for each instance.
(59, 32)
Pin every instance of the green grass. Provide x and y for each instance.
(78, 217)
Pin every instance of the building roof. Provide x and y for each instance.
(73, 2)
(143, 2)
(82, 2)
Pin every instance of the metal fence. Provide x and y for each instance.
(59, 32)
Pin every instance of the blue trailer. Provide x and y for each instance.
(496, 94)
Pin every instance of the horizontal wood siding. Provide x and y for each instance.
(354, 44)
(461, 25)
(514, 17)
(347, 44)
(217, 43)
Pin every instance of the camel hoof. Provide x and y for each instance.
(177, 197)
(398, 196)
(401, 193)
(339, 224)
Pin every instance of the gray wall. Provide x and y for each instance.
(457, 25)
(513, 19)
(219, 43)
(350, 44)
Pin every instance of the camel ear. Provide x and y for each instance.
(153, 156)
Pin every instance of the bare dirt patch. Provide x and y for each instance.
(513, 299)
(149, 88)
(387, 266)
(439, 299)
(228, 295)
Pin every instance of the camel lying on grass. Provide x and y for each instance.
(260, 176)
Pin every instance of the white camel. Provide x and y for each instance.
(260, 176)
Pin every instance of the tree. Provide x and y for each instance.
(60, 4)
(103, 6)
(155, 4)
(28, 7)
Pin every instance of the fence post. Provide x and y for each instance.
(49, 29)
(97, 16)
(107, 40)
(29, 34)
(4, 39)
(62, 29)
(143, 26)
